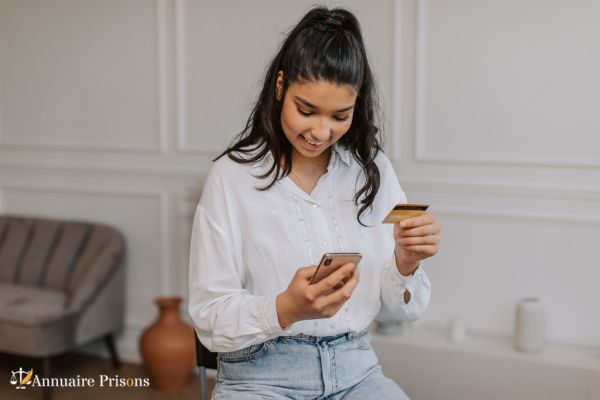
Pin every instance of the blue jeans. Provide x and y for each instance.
(305, 367)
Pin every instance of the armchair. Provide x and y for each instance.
(61, 286)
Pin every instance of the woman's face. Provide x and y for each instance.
(315, 115)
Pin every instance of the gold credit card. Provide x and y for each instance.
(403, 211)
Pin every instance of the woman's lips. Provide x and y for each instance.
(310, 144)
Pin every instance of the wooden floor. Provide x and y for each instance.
(71, 365)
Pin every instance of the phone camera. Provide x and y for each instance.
(327, 262)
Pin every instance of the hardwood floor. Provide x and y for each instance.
(70, 365)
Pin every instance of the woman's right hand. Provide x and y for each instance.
(302, 301)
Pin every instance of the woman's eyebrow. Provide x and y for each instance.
(306, 103)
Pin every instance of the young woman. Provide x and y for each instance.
(305, 177)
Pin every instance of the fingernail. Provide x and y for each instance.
(402, 224)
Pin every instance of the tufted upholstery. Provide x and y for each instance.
(61, 284)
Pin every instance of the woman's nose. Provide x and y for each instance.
(321, 132)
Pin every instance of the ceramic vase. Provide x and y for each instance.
(168, 348)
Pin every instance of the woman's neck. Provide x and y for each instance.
(307, 171)
(310, 167)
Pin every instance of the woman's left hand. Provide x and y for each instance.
(416, 239)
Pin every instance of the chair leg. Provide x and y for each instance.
(114, 357)
(203, 384)
(46, 390)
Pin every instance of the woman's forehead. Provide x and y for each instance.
(323, 94)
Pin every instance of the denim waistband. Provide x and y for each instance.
(323, 339)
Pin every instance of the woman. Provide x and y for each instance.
(305, 177)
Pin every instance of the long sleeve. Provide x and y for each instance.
(226, 316)
(393, 286)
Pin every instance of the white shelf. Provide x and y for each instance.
(587, 358)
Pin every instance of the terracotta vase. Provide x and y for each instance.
(167, 347)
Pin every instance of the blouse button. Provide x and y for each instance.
(315, 205)
(324, 243)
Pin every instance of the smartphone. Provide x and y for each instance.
(330, 262)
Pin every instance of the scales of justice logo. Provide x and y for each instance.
(21, 381)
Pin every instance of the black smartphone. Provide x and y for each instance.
(330, 262)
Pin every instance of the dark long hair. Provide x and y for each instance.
(325, 45)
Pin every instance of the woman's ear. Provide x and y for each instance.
(279, 85)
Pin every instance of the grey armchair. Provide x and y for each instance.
(61, 285)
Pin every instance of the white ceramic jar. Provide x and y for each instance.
(530, 325)
(456, 330)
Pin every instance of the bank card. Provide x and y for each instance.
(403, 211)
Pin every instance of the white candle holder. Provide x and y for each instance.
(530, 325)
(456, 330)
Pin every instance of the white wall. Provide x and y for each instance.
(112, 111)
(499, 133)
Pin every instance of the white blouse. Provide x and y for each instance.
(247, 244)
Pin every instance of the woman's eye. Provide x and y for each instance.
(306, 114)
(341, 118)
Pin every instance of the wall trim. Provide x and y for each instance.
(106, 163)
(397, 88)
(421, 75)
(423, 155)
(506, 190)
(197, 171)
(181, 75)
(529, 193)
(181, 78)
(511, 217)
(162, 62)
(167, 235)
(161, 107)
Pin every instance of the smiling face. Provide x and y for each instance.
(315, 115)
